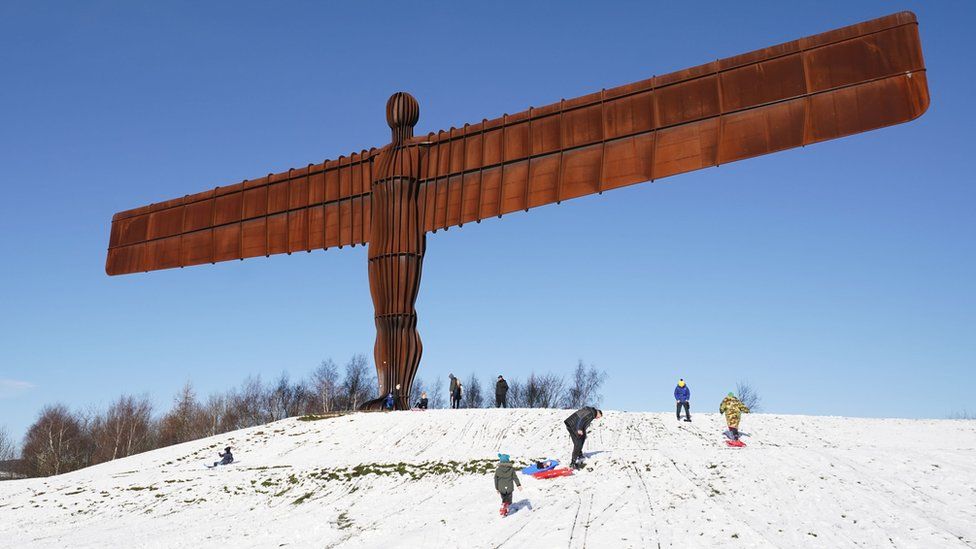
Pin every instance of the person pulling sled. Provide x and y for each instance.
(733, 408)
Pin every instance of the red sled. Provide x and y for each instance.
(735, 443)
(553, 473)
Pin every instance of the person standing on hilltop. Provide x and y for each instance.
(733, 408)
(456, 395)
(452, 388)
(577, 424)
(501, 393)
(682, 395)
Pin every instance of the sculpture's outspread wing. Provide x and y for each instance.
(319, 206)
(838, 83)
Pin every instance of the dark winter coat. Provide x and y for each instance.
(422, 404)
(501, 388)
(682, 393)
(581, 419)
(506, 478)
(227, 458)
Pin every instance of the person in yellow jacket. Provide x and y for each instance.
(733, 408)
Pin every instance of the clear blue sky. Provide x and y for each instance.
(837, 278)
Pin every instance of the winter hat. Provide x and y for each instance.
(504, 458)
(731, 394)
(681, 383)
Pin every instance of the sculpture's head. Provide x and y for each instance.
(402, 114)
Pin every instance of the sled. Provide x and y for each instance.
(549, 464)
(554, 473)
(735, 443)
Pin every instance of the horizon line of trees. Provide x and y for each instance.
(62, 440)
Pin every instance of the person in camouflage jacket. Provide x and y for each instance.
(733, 408)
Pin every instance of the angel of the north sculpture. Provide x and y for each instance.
(845, 81)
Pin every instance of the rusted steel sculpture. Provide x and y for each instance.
(830, 85)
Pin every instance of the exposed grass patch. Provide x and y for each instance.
(302, 499)
(266, 467)
(318, 417)
(343, 521)
(414, 471)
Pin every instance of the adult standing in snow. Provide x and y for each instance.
(501, 393)
(682, 395)
(505, 481)
(397, 395)
(733, 408)
(577, 424)
(456, 395)
(451, 388)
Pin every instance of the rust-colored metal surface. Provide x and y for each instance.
(849, 80)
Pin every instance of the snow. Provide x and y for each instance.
(424, 479)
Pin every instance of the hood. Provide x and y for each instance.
(505, 466)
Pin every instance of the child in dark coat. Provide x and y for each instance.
(506, 478)
(226, 457)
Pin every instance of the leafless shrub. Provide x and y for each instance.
(436, 394)
(965, 414)
(541, 391)
(516, 394)
(584, 388)
(7, 448)
(749, 396)
(473, 396)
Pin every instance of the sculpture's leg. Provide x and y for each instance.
(396, 254)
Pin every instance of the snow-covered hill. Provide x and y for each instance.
(412, 479)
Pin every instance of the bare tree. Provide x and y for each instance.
(965, 414)
(551, 390)
(436, 394)
(279, 399)
(54, 444)
(516, 394)
(416, 390)
(325, 384)
(357, 386)
(749, 396)
(125, 429)
(7, 448)
(584, 389)
(185, 421)
(545, 391)
(216, 412)
(472, 395)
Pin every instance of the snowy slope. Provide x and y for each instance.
(412, 479)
